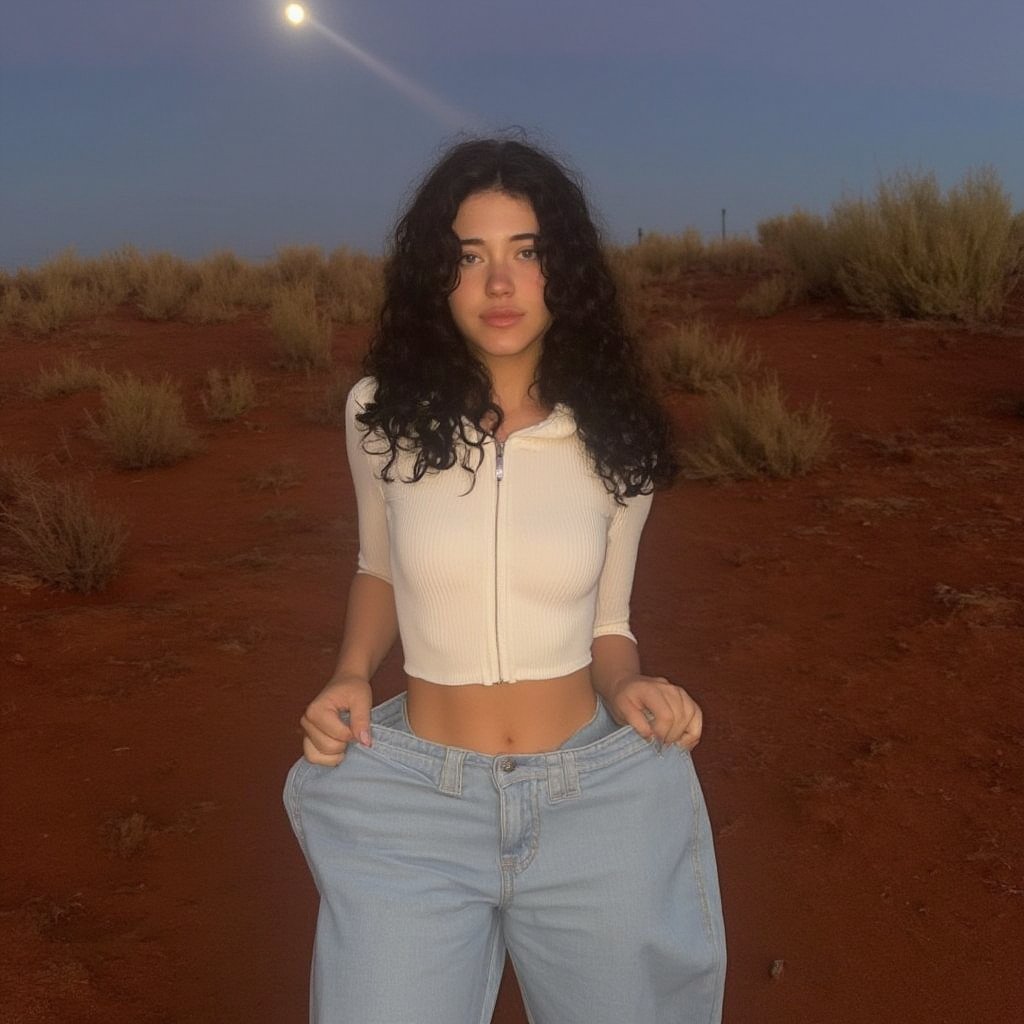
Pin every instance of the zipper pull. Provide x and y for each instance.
(499, 470)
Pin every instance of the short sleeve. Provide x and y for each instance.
(616, 582)
(374, 548)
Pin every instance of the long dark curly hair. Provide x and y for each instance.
(430, 387)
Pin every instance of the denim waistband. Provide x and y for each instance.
(445, 765)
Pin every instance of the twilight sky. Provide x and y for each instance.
(195, 126)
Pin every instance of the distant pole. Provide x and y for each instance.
(639, 235)
(723, 223)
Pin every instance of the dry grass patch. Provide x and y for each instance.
(67, 378)
(276, 477)
(752, 433)
(983, 605)
(166, 285)
(226, 396)
(63, 537)
(914, 252)
(690, 356)
(910, 251)
(143, 423)
(128, 835)
(353, 286)
(807, 247)
(769, 296)
(302, 335)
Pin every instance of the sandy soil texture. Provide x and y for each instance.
(856, 638)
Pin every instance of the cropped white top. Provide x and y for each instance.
(507, 580)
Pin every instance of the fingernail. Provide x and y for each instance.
(364, 738)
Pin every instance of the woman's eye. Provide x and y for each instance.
(468, 258)
(529, 254)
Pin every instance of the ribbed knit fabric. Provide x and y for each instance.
(510, 579)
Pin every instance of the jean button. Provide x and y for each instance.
(508, 764)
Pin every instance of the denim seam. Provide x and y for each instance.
(302, 774)
(696, 803)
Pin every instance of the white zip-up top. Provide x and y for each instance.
(510, 579)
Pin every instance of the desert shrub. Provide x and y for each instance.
(66, 378)
(665, 257)
(63, 536)
(227, 396)
(225, 285)
(302, 336)
(167, 282)
(143, 423)
(693, 358)
(738, 255)
(914, 252)
(807, 247)
(752, 433)
(769, 296)
(299, 264)
(352, 286)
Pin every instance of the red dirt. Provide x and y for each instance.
(855, 637)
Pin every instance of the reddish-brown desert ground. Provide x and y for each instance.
(855, 636)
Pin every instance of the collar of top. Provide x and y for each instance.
(560, 422)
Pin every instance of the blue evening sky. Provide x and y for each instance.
(197, 126)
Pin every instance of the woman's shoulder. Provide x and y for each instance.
(362, 392)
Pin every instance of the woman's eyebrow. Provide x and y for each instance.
(527, 236)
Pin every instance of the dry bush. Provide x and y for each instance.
(352, 286)
(167, 282)
(64, 538)
(807, 247)
(59, 304)
(751, 434)
(299, 264)
(690, 356)
(143, 423)
(769, 296)
(914, 252)
(660, 257)
(738, 255)
(303, 337)
(57, 293)
(226, 286)
(67, 378)
(227, 396)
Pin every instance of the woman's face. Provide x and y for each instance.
(498, 305)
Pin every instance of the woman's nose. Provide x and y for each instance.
(499, 280)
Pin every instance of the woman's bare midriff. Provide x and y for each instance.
(526, 717)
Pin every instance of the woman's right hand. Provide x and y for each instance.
(327, 733)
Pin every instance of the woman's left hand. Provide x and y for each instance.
(657, 709)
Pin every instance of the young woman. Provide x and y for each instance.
(532, 791)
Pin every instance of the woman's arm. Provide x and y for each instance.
(371, 624)
(371, 628)
(657, 708)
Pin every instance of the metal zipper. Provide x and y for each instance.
(499, 473)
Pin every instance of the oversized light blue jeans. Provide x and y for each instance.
(592, 865)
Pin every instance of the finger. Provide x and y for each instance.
(661, 713)
(359, 719)
(683, 710)
(324, 742)
(314, 756)
(694, 728)
(325, 718)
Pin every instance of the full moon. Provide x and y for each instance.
(295, 13)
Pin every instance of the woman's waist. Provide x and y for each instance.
(530, 716)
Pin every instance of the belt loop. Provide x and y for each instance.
(451, 772)
(563, 777)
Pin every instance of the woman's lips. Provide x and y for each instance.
(501, 317)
